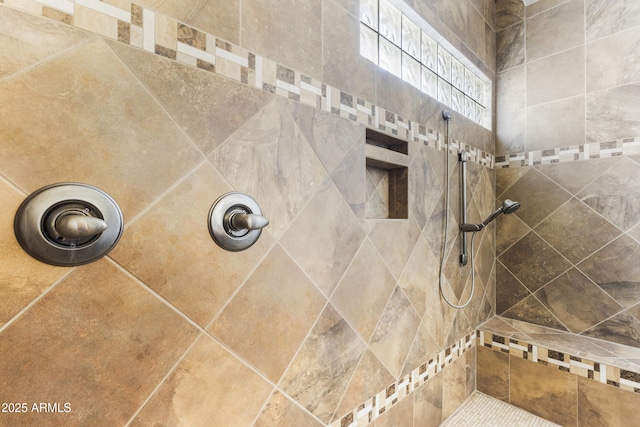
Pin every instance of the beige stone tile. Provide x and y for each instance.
(556, 77)
(544, 391)
(400, 415)
(218, 17)
(324, 238)
(613, 61)
(270, 159)
(606, 406)
(574, 176)
(187, 94)
(555, 30)
(396, 95)
(425, 187)
(277, 306)
(509, 12)
(604, 18)
(363, 292)
(475, 32)
(369, 378)
(509, 290)
(319, 375)
(16, 28)
(342, 65)
(208, 387)
(22, 278)
(545, 131)
(98, 341)
(97, 124)
(280, 411)
(395, 241)
(493, 373)
(427, 403)
(511, 89)
(267, 27)
(510, 47)
(454, 386)
(174, 234)
(510, 131)
(423, 349)
(421, 271)
(96, 22)
(395, 333)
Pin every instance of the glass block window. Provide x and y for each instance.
(398, 44)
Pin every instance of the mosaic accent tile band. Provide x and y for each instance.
(596, 150)
(167, 37)
(606, 374)
(377, 405)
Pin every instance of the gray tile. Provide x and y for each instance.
(604, 17)
(545, 129)
(612, 114)
(616, 194)
(510, 47)
(574, 176)
(532, 311)
(555, 30)
(555, 77)
(511, 89)
(622, 328)
(613, 61)
(509, 290)
(508, 12)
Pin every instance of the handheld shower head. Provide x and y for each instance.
(508, 207)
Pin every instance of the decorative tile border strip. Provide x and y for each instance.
(605, 374)
(386, 399)
(165, 36)
(596, 150)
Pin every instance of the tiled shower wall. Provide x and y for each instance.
(325, 313)
(568, 149)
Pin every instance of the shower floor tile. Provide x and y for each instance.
(481, 410)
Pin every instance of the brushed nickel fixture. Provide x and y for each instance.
(68, 224)
(236, 221)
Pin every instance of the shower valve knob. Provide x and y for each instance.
(75, 226)
(236, 221)
(246, 221)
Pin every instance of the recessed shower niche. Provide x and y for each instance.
(387, 176)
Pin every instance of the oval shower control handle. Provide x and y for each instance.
(78, 226)
(245, 221)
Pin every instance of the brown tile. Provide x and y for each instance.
(532, 311)
(427, 406)
(280, 411)
(605, 406)
(97, 124)
(623, 328)
(614, 269)
(562, 295)
(18, 27)
(324, 238)
(555, 30)
(538, 195)
(505, 178)
(556, 77)
(424, 348)
(266, 27)
(400, 415)
(544, 391)
(270, 159)
(368, 379)
(425, 187)
(187, 93)
(23, 278)
(533, 262)
(510, 131)
(175, 233)
(208, 387)
(276, 291)
(509, 229)
(568, 227)
(98, 341)
(493, 373)
(395, 240)
(509, 290)
(364, 291)
(319, 375)
(396, 330)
